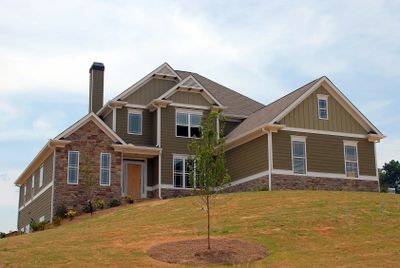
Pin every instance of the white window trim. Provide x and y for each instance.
(325, 98)
(183, 157)
(77, 175)
(299, 139)
(355, 144)
(189, 112)
(139, 112)
(41, 176)
(109, 169)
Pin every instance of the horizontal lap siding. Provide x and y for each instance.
(39, 207)
(229, 126)
(147, 137)
(108, 119)
(325, 153)
(248, 159)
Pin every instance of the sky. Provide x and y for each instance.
(263, 49)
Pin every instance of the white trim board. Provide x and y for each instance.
(36, 195)
(325, 132)
(324, 175)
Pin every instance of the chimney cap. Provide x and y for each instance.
(97, 66)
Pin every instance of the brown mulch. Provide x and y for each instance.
(195, 252)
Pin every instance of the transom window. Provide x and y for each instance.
(299, 155)
(73, 167)
(323, 107)
(181, 171)
(105, 169)
(135, 122)
(351, 159)
(188, 123)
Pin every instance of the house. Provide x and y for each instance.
(136, 144)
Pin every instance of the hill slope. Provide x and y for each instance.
(298, 228)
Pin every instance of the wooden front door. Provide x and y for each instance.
(133, 179)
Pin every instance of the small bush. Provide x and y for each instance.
(61, 211)
(114, 203)
(100, 204)
(2, 235)
(57, 221)
(40, 226)
(129, 200)
(89, 208)
(71, 214)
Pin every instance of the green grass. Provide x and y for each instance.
(298, 228)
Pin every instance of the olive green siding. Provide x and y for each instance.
(325, 153)
(47, 178)
(96, 90)
(147, 138)
(189, 98)
(305, 115)
(108, 120)
(149, 91)
(40, 206)
(170, 144)
(248, 159)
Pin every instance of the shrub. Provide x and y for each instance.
(40, 226)
(71, 214)
(100, 204)
(61, 211)
(89, 208)
(129, 200)
(2, 235)
(57, 221)
(114, 203)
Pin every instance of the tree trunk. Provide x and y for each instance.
(208, 222)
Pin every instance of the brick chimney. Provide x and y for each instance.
(96, 87)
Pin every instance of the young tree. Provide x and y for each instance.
(89, 179)
(207, 165)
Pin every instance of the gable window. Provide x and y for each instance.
(105, 169)
(322, 106)
(181, 171)
(299, 155)
(188, 123)
(135, 122)
(351, 159)
(33, 186)
(41, 176)
(24, 192)
(73, 167)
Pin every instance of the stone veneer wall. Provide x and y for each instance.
(90, 140)
(290, 182)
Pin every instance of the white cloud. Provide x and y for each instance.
(8, 191)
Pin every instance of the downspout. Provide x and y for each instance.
(114, 121)
(270, 160)
(159, 146)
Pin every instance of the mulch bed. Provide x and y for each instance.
(195, 252)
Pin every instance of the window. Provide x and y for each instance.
(188, 124)
(135, 122)
(105, 169)
(25, 193)
(351, 159)
(323, 107)
(181, 171)
(299, 155)
(41, 176)
(33, 186)
(73, 167)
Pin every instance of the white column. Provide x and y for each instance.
(114, 122)
(270, 160)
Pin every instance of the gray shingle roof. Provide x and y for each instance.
(236, 103)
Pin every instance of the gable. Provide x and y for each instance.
(305, 115)
(153, 89)
(189, 98)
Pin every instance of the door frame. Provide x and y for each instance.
(143, 179)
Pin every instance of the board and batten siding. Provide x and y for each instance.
(150, 91)
(325, 153)
(247, 159)
(189, 98)
(147, 138)
(305, 115)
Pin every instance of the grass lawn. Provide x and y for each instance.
(298, 228)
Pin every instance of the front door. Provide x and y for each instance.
(134, 180)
